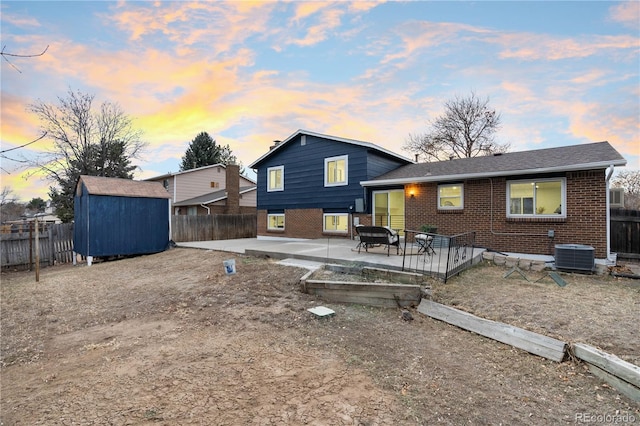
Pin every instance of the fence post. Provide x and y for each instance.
(37, 250)
(51, 246)
(30, 246)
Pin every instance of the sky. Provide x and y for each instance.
(249, 73)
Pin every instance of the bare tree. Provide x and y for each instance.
(466, 129)
(10, 208)
(630, 181)
(7, 196)
(85, 142)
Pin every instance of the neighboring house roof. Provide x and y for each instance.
(98, 185)
(334, 138)
(212, 197)
(599, 155)
(168, 175)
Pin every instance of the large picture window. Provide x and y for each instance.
(275, 222)
(336, 222)
(536, 198)
(451, 196)
(275, 179)
(336, 171)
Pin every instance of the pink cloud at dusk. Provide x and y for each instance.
(252, 72)
(627, 13)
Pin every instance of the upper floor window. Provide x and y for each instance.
(275, 178)
(336, 170)
(536, 198)
(451, 196)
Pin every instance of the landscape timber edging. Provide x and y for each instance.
(529, 341)
(622, 375)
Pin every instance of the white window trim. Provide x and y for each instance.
(269, 169)
(334, 231)
(346, 170)
(461, 185)
(563, 198)
(270, 215)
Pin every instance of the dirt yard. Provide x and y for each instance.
(170, 339)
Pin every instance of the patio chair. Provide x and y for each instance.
(425, 244)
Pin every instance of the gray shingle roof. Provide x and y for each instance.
(98, 185)
(599, 155)
(211, 197)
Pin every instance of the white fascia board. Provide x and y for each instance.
(186, 203)
(465, 176)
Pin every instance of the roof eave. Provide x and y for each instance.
(336, 138)
(464, 176)
(190, 201)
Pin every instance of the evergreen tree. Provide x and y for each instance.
(203, 151)
(36, 205)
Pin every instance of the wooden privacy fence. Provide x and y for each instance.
(213, 227)
(55, 242)
(625, 233)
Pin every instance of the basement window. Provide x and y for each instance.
(275, 222)
(335, 222)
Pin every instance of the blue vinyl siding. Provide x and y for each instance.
(377, 165)
(304, 174)
(117, 226)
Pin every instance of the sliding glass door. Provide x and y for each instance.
(388, 209)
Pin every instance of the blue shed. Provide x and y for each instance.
(117, 217)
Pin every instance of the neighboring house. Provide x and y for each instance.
(215, 189)
(309, 184)
(117, 217)
(515, 202)
(523, 202)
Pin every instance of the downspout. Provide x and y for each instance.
(208, 209)
(175, 187)
(611, 258)
(170, 216)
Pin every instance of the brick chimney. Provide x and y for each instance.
(233, 189)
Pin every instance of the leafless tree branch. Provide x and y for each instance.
(26, 144)
(17, 55)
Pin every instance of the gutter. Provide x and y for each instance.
(444, 178)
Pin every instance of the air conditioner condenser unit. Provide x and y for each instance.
(575, 257)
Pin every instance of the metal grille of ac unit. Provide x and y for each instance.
(576, 257)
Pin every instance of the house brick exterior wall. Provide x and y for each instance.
(304, 223)
(485, 213)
